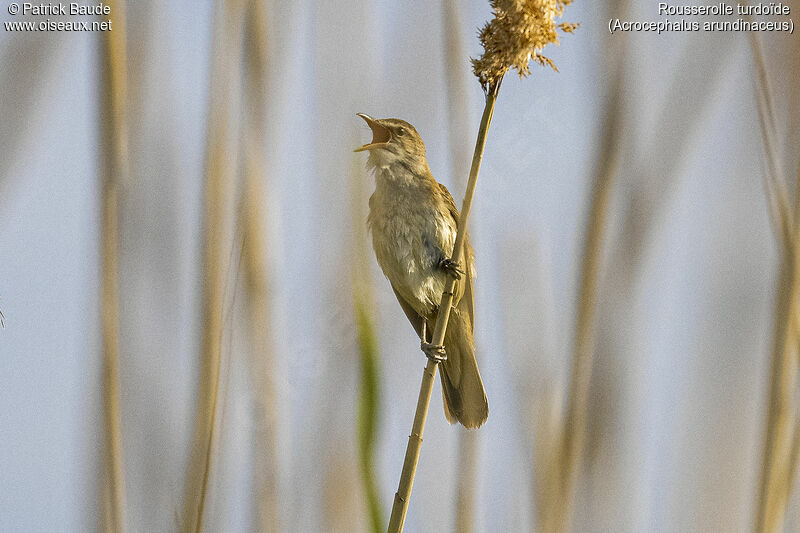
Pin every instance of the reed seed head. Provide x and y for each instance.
(516, 36)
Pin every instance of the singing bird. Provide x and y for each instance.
(414, 220)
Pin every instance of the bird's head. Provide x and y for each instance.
(393, 140)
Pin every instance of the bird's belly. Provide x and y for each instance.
(422, 289)
(410, 259)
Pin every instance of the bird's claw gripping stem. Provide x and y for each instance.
(435, 352)
(452, 267)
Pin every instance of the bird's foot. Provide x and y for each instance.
(435, 352)
(452, 267)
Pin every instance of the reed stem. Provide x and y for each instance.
(573, 434)
(255, 247)
(780, 450)
(368, 405)
(403, 494)
(114, 126)
(781, 440)
(221, 157)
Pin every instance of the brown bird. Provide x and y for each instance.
(414, 221)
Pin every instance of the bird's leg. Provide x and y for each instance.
(434, 352)
(452, 267)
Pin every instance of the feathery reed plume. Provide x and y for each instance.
(369, 386)
(115, 171)
(517, 34)
(220, 169)
(262, 357)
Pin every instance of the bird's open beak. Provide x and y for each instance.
(380, 134)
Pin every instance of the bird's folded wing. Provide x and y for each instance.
(464, 297)
(467, 302)
(413, 316)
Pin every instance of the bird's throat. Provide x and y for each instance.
(390, 168)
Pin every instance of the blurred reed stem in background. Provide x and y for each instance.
(458, 120)
(266, 471)
(222, 156)
(775, 178)
(368, 406)
(115, 165)
(782, 433)
(559, 456)
(369, 392)
(556, 503)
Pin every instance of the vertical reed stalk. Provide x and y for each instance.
(403, 494)
(262, 358)
(782, 433)
(115, 141)
(368, 406)
(782, 436)
(558, 514)
(220, 170)
(782, 419)
(777, 193)
(467, 481)
(574, 429)
(563, 453)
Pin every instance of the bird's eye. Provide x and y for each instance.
(401, 132)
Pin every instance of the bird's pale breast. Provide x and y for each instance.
(411, 233)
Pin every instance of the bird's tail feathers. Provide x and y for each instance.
(464, 396)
